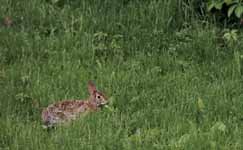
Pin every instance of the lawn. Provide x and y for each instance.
(173, 79)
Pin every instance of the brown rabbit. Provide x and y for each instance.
(68, 110)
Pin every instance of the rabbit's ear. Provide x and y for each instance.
(91, 88)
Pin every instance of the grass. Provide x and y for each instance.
(173, 81)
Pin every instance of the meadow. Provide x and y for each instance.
(173, 77)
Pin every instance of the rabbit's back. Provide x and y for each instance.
(63, 111)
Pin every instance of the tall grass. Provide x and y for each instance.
(174, 82)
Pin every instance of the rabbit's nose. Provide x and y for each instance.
(104, 103)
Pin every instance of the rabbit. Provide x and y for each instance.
(68, 110)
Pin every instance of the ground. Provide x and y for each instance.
(173, 79)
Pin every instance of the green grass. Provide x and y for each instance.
(173, 81)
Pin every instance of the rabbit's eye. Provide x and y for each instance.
(98, 97)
